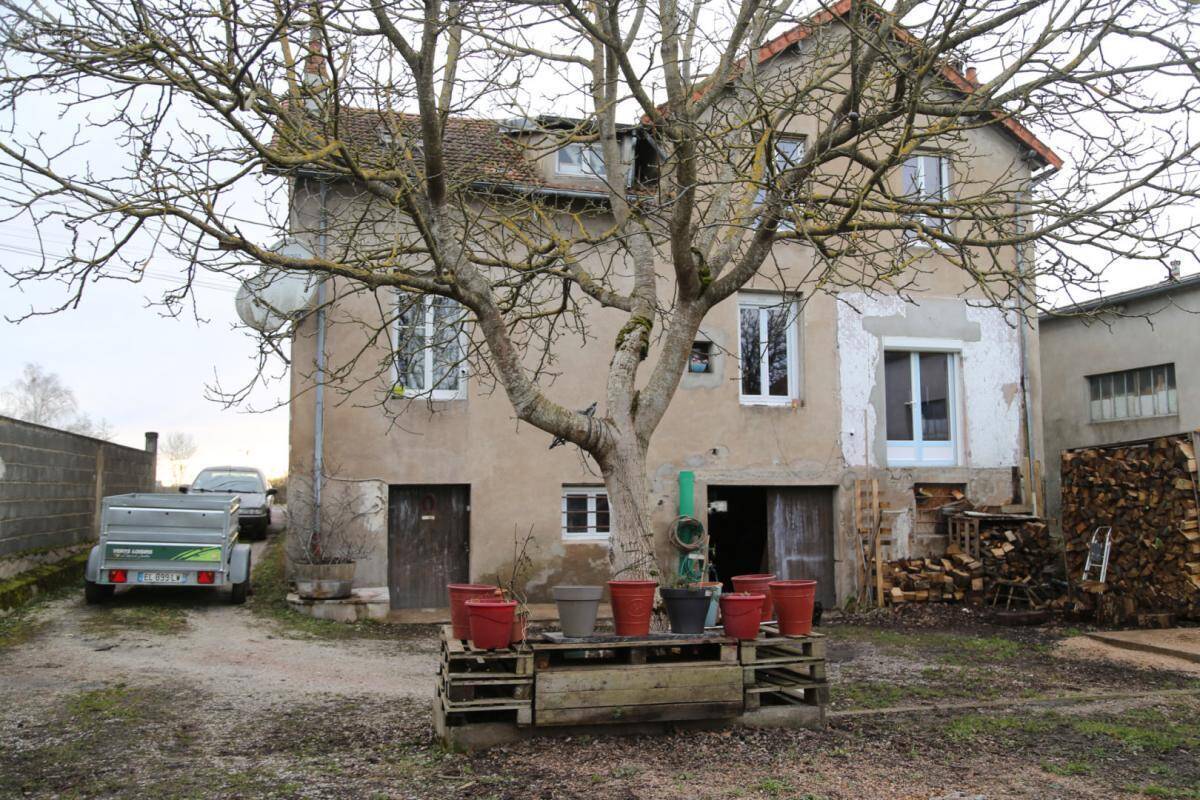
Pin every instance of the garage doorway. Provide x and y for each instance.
(785, 530)
(428, 543)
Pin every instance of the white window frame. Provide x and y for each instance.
(942, 224)
(918, 452)
(586, 152)
(592, 534)
(783, 162)
(763, 302)
(458, 393)
(1171, 394)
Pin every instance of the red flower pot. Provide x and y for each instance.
(759, 583)
(460, 593)
(794, 605)
(491, 623)
(632, 602)
(741, 614)
(520, 628)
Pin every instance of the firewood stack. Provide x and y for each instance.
(1147, 492)
(1021, 552)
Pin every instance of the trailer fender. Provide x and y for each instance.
(239, 563)
(92, 571)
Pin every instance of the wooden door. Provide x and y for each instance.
(800, 537)
(428, 543)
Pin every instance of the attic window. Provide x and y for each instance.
(576, 158)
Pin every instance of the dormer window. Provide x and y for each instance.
(577, 158)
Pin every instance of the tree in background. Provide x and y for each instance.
(42, 398)
(178, 448)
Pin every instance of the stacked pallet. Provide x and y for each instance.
(1147, 493)
(784, 671)
(476, 686)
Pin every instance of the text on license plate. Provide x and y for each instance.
(162, 577)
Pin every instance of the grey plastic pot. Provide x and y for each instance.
(577, 607)
(686, 608)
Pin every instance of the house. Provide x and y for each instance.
(1125, 367)
(926, 390)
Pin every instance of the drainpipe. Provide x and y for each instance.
(319, 421)
(1023, 197)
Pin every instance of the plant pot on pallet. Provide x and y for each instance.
(741, 614)
(758, 583)
(460, 593)
(794, 606)
(686, 608)
(714, 602)
(632, 602)
(323, 581)
(491, 623)
(577, 607)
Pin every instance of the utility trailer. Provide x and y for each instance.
(168, 540)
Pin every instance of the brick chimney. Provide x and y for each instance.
(152, 442)
(973, 76)
(1173, 271)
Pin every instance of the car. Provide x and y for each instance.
(251, 487)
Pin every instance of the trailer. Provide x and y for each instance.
(168, 540)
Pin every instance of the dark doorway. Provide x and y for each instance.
(800, 520)
(428, 543)
(738, 535)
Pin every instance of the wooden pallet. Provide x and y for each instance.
(783, 670)
(476, 686)
(555, 650)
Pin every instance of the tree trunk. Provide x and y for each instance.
(631, 554)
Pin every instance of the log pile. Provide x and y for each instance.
(1021, 552)
(1147, 492)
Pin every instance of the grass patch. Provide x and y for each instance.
(21, 624)
(117, 703)
(1159, 735)
(969, 727)
(869, 694)
(1155, 790)
(946, 647)
(162, 616)
(1069, 769)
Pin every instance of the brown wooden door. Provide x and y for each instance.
(428, 543)
(800, 537)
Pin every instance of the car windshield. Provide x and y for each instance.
(227, 481)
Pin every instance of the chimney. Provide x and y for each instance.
(972, 76)
(1173, 271)
(152, 442)
(314, 62)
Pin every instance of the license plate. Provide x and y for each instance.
(161, 577)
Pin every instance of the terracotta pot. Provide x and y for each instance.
(632, 603)
(323, 581)
(460, 593)
(520, 628)
(758, 583)
(794, 606)
(741, 614)
(491, 623)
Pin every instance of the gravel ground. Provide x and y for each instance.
(155, 697)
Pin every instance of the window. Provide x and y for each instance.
(585, 513)
(927, 180)
(1145, 392)
(701, 358)
(919, 407)
(767, 349)
(580, 159)
(789, 152)
(429, 348)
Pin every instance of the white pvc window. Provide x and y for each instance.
(927, 180)
(789, 152)
(1145, 392)
(767, 350)
(585, 515)
(429, 348)
(577, 158)
(920, 407)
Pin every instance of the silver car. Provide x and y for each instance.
(251, 487)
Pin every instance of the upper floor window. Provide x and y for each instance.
(1145, 392)
(919, 407)
(430, 356)
(576, 158)
(767, 349)
(585, 513)
(789, 152)
(927, 180)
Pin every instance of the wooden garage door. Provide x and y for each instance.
(428, 543)
(800, 528)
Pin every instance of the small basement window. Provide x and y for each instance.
(701, 358)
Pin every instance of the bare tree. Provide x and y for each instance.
(41, 397)
(178, 448)
(359, 106)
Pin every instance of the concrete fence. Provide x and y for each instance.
(51, 483)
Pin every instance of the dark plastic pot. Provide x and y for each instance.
(577, 606)
(460, 593)
(794, 606)
(491, 623)
(758, 583)
(741, 614)
(632, 602)
(686, 608)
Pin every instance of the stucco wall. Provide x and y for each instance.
(1143, 333)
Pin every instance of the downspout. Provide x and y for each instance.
(319, 414)
(1023, 196)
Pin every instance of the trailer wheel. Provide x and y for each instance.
(95, 593)
(238, 591)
